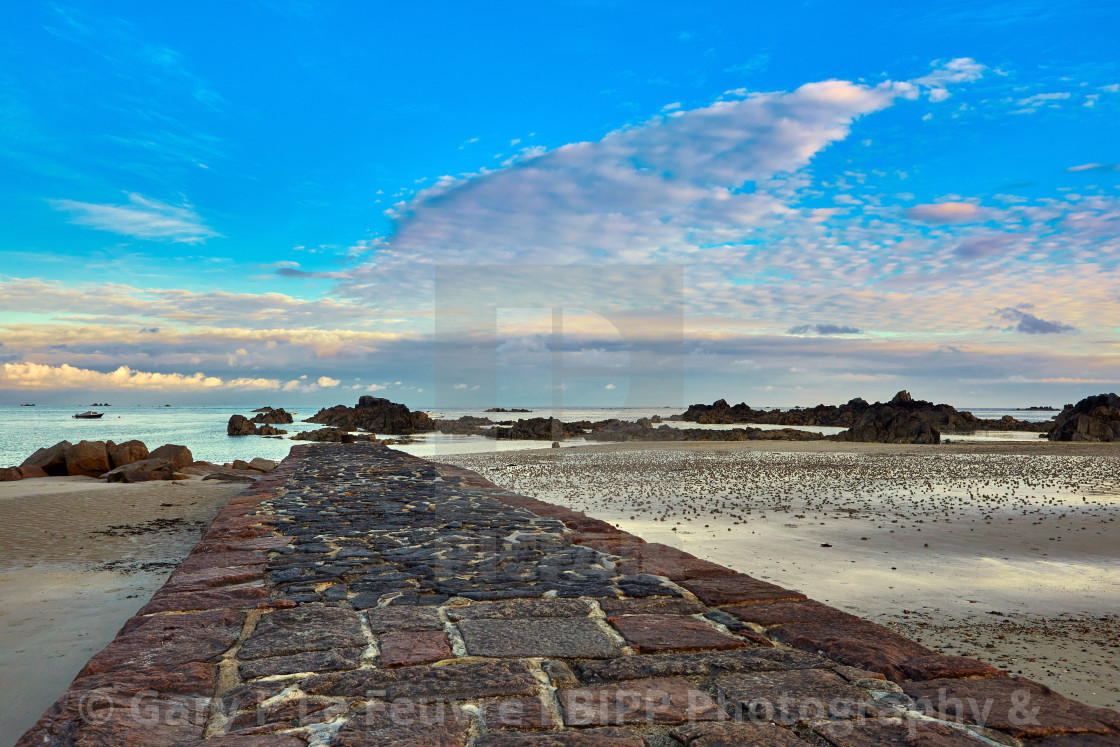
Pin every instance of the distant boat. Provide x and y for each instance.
(29, 405)
(91, 415)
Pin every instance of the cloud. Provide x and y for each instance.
(975, 247)
(141, 218)
(610, 386)
(1030, 324)
(955, 71)
(40, 376)
(824, 329)
(944, 213)
(1095, 167)
(327, 381)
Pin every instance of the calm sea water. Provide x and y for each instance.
(203, 429)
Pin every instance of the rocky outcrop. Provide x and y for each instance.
(274, 417)
(903, 420)
(1092, 419)
(333, 435)
(468, 425)
(239, 425)
(10, 474)
(945, 418)
(376, 415)
(503, 409)
(89, 458)
(50, 459)
(643, 430)
(537, 429)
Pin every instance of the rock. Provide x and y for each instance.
(643, 430)
(895, 423)
(127, 453)
(334, 435)
(144, 471)
(1092, 419)
(273, 416)
(239, 425)
(537, 429)
(51, 459)
(10, 474)
(467, 425)
(269, 431)
(375, 414)
(240, 464)
(87, 458)
(263, 465)
(556, 444)
(31, 472)
(180, 455)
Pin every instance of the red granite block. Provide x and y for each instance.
(570, 738)
(167, 640)
(516, 713)
(799, 695)
(893, 731)
(405, 723)
(407, 648)
(856, 642)
(191, 678)
(655, 701)
(661, 560)
(777, 613)
(940, 666)
(169, 599)
(736, 735)
(1014, 705)
(655, 633)
(735, 589)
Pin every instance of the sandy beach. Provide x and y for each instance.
(77, 558)
(1006, 552)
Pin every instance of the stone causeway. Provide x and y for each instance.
(361, 596)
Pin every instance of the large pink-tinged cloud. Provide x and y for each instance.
(945, 213)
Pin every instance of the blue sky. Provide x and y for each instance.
(227, 197)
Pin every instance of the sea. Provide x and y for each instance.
(203, 429)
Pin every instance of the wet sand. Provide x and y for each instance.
(1007, 552)
(78, 557)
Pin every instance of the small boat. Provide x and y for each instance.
(91, 415)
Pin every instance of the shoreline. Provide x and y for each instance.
(78, 558)
(884, 540)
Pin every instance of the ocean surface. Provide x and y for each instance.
(203, 429)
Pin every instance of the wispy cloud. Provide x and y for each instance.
(141, 218)
(1029, 324)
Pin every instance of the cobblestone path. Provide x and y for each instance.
(361, 596)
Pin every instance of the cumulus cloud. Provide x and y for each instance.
(141, 218)
(41, 376)
(943, 213)
(1030, 324)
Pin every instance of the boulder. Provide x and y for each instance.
(88, 458)
(126, 453)
(263, 465)
(538, 429)
(10, 474)
(903, 420)
(272, 417)
(240, 464)
(144, 470)
(239, 425)
(1094, 418)
(51, 459)
(268, 430)
(375, 414)
(180, 455)
(30, 472)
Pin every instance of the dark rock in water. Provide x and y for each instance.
(268, 430)
(239, 425)
(467, 425)
(537, 429)
(1094, 418)
(51, 459)
(334, 435)
(273, 417)
(180, 455)
(903, 420)
(643, 430)
(127, 453)
(502, 409)
(89, 458)
(376, 415)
